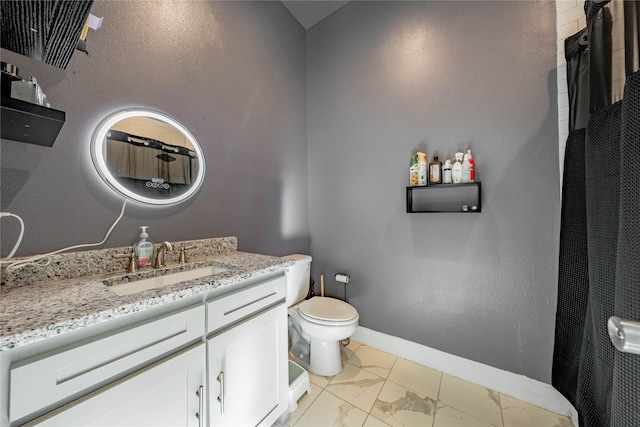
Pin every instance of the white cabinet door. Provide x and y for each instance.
(248, 371)
(167, 393)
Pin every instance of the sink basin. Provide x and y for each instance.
(167, 279)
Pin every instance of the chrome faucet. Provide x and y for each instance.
(159, 260)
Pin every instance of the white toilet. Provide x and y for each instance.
(317, 325)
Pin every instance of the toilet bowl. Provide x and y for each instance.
(317, 325)
(323, 333)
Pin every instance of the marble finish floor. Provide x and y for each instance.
(378, 389)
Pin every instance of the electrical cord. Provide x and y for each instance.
(34, 259)
(15, 247)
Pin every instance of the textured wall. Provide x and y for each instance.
(384, 79)
(388, 78)
(232, 72)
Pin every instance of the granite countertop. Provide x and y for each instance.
(49, 307)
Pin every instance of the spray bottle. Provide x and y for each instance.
(472, 167)
(466, 169)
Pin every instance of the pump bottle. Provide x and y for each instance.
(144, 248)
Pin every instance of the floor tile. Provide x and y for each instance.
(319, 380)
(303, 404)
(517, 413)
(356, 386)
(373, 360)
(346, 352)
(471, 399)
(416, 377)
(374, 422)
(399, 406)
(447, 416)
(377, 389)
(329, 410)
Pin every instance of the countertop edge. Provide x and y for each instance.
(146, 302)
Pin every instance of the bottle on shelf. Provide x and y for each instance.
(435, 171)
(472, 168)
(466, 169)
(413, 171)
(456, 169)
(422, 169)
(446, 172)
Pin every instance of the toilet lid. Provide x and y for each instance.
(324, 308)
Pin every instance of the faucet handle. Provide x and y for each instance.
(131, 265)
(182, 259)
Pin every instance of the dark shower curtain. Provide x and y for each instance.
(599, 270)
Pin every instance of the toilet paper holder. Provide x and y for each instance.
(342, 278)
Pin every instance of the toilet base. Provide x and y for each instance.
(325, 357)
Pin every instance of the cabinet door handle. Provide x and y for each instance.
(200, 413)
(221, 397)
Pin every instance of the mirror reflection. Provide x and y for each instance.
(148, 157)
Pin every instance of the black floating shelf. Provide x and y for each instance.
(31, 123)
(445, 198)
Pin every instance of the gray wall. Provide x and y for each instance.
(383, 79)
(232, 72)
(388, 78)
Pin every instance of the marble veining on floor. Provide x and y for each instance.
(378, 389)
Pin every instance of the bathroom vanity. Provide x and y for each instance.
(209, 351)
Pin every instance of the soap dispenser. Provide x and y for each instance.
(144, 248)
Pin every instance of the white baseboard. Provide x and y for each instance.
(521, 387)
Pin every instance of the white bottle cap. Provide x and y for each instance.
(144, 234)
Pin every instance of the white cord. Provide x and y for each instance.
(15, 248)
(32, 260)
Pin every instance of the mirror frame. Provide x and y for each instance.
(98, 149)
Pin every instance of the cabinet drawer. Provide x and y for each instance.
(231, 308)
(40, 382)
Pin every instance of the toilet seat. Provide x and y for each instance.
(327, 311)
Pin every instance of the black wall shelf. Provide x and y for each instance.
(31, 123)
(445, 198)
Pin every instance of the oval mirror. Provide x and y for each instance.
(148, 157)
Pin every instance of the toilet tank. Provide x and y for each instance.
(298, 278)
